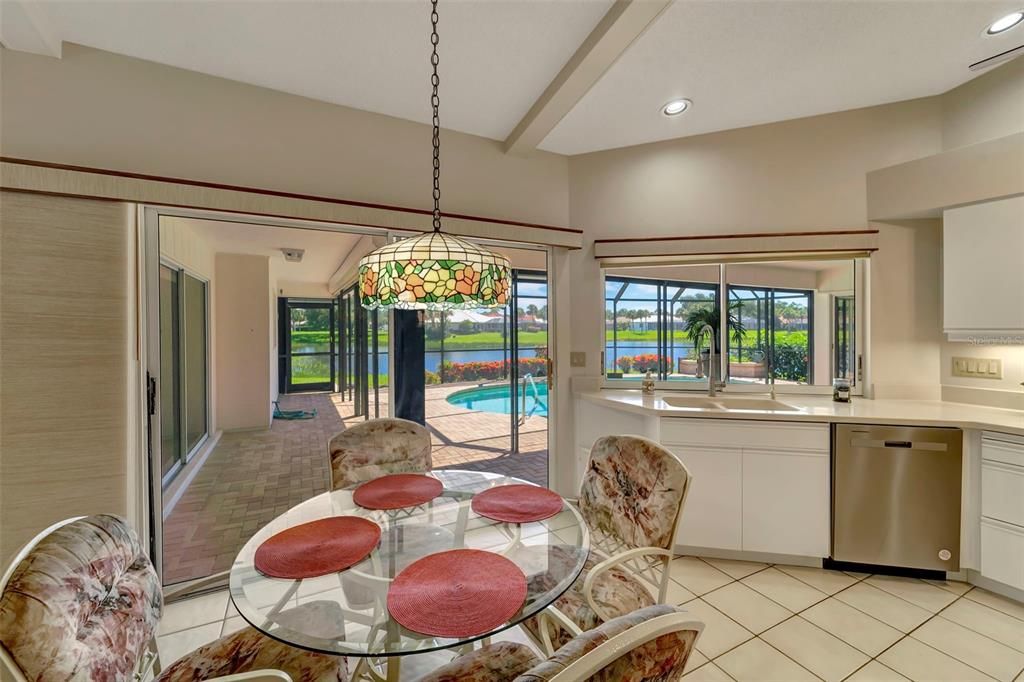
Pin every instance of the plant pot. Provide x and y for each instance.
(710, 365)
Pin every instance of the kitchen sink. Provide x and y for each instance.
(755, 404)
(692, 402)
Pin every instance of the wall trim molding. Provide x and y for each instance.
(42, 177)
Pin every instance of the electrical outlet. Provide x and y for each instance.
(577, 359)
(978, 368)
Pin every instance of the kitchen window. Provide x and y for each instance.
(791, 321)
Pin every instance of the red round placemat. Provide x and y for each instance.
(517, 503)
(458, 593)
(317, 548)
(397, 491)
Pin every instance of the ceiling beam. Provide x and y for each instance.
(25, 27)
(616, 31)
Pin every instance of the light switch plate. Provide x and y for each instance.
(978, 368)
(577, 359)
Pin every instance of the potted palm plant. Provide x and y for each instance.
(695, 321)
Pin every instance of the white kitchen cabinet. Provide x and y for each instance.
(1002, 509)
(713, 514)
(983, 281)
(757, 486)
(786, 502)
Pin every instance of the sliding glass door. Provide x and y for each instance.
(363, 355)
(184, 334)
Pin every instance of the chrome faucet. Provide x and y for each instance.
(713, 386)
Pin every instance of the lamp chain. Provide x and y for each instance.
(435, 102)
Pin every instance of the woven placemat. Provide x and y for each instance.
(317, 548)
(517, 503)
(458, 593)
(397, 491)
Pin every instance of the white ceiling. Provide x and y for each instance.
(742, 62)
(496, 56)
(325, 250)
(745, 62)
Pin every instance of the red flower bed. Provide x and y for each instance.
(639, 363)
(474, 371)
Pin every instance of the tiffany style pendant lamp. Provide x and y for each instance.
(433, 271)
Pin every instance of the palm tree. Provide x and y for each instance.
(698, 317)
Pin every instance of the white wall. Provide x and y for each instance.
(99, 109)
(243, 344)
(801, 175)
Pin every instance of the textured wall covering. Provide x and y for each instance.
(64, 305)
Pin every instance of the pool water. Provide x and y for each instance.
(497, 399)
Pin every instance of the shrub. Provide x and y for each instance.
(791, 362)
(432, 377)
(645, 362)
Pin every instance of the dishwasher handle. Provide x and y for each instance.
(900, 444)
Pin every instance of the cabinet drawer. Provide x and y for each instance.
(1008, 452)
(739, 433)
(1002, 553)
(1002, 492)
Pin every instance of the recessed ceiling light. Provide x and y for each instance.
(1005, 23)
(676, 107)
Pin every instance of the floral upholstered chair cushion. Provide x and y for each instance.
(633, 491)
(631, 498)
(627, 653)
(83, 604)
(249, 650)
(656, 659)
(491, 663)
(376, 448)
(614, 590)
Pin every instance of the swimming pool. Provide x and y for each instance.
(497, 399)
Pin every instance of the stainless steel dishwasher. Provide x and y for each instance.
(896, 496)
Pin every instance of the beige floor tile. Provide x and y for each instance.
(709, 672)
(997, 602)
(824, 655)
(915, 591)
(989, 622)
(233, 625)
(954, 586)
(856, 575)
(919, 661)
(188, 613)
(757, 662)
(677, 594)
(891, 610)
(736, 569)
(697, 576)
(720, 632)
(696, 660)
(852, 626)
(967, 646)
(175, 645)
(876, 672)
(784, 589)
(753, 611)
(820, 579)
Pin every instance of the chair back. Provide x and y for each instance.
(376, 448)
(81, 601)
(633, 493)
(648, 645)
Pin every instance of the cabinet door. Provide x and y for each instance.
(786, 503)
(712, 516)
(983, 282)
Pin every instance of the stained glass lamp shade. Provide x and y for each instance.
(434, 271)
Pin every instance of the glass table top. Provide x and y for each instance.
(346, 613)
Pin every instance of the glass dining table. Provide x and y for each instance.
(346, 614)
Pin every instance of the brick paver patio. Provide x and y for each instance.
(253, 476)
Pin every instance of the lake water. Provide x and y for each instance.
(432, 361)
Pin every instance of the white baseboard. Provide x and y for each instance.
(1007, 591)
(180, 484)
(738, 555)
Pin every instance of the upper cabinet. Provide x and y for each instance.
(983, 271)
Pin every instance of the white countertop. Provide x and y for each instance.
(822, 409)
